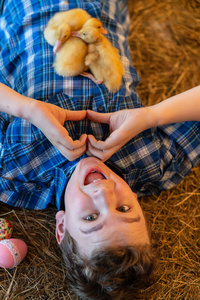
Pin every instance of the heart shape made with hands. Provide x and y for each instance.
(123, 126)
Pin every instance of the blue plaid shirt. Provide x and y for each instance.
(33, 172)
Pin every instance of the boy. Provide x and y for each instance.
(100, 226)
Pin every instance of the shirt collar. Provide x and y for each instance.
(61, 178)
(60, 181)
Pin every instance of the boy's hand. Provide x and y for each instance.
(124, 125)
(50, 119)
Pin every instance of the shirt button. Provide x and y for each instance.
(100, 108)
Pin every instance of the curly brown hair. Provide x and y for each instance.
(110, 273)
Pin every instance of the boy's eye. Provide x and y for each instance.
(91, 217)
(123, 208)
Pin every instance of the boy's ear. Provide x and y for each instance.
(60, 228)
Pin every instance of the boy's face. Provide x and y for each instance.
(100, 209)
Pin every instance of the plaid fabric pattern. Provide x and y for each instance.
(33, 172)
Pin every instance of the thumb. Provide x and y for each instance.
(114, 140)
(75, 115)
(98, 117)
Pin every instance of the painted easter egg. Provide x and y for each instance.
(12, 252)
(5, 229)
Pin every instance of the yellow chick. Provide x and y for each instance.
(95, 23)
(103, 59)
(70, 58)
(63, 31)
(75, 18)
(62, 34)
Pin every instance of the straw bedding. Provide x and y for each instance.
(165, 44)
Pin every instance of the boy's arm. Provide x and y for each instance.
(47, 117)
(126, 124)
(180, 108)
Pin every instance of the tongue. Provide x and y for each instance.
(93, 176)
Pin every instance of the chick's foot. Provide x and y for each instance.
(90, 76)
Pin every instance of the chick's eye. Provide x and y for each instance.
(99, 27)
(91, 217)
(124, 208)
(84, 33)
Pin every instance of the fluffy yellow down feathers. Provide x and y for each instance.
(79, 45)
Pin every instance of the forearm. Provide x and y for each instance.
(14, 103)
(179, 108)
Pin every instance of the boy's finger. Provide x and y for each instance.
(101, 154)
(98, 117)
(112, 141)
(70, 144)
(83, 138)
(75, 115)
(72, 154)
(95, 152)
(96, 144)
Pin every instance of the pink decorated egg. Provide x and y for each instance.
(5, 229)
(12, 252)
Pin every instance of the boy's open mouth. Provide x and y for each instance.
(93, 176)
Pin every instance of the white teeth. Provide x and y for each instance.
(96, 180)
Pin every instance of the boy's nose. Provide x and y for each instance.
(104, 193)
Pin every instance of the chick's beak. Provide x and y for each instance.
(57, 46)
(103, 31)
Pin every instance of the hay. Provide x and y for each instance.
(164, 40)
